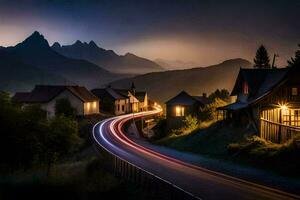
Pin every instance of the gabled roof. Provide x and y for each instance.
(183, 98)
(108, 91)
(45, 93)
(140, 96)
(258, 80)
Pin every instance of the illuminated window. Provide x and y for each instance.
(294, 91)
(95, 105)
(179, 111)
(88, 105)
(245, 88)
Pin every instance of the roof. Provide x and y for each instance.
(140, 96)
(233, 106)
(183, 98)
(261, 82)
(45, 93)
(258, 80)
(108, 91)
(118, 93)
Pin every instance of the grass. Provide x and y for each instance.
(209, 138)
(238, 145)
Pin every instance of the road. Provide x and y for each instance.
(203, 183)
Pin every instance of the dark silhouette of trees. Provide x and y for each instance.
(64, 107)
(296, 60)
(222, 94)
(262, 59)
(28, 138)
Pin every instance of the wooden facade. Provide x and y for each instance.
(271, 102)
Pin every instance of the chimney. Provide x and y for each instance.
(204, 95)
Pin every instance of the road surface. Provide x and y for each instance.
(202, 183)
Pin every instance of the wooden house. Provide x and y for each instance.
(80, 98)
(268, 100)
(181, 106)
(121, 101)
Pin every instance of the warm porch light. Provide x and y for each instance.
(283, 107)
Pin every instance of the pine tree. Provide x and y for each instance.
(295, 61)
(262, 59)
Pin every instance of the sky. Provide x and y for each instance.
(205, 32)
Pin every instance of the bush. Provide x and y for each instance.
(282, 157)
(209, 111)
(190, 122)
(64, 107)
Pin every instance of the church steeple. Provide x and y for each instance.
(133, 88)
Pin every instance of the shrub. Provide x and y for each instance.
(64, 107)
(190, 122)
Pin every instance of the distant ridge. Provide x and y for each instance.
(35, 54)
(161, 86)
(108, 59)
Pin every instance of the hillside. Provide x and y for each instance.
(35, 51)
(175, 64)
(108, 59)
(163, 85)
(18, 76)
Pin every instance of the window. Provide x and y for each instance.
(294, 91)
(179, 111)
(95, 105)
(245, 88)
(88, 105)
(123, 108)
(118, 107)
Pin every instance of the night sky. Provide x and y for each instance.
(205, 32)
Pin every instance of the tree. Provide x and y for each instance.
(262, 60)
(221, 94)
(64, 107)
(61, 138)
(295, 61)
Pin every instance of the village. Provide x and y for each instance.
(151, 100)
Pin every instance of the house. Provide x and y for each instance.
(183, 105)
(269, 101)
(112, 101)
(121, 101)
(80, 98)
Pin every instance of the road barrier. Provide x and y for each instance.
(152, 184)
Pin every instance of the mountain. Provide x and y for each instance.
(175, 64)
(35, 51)
(16, 75)
(108, 59)
(161, 86)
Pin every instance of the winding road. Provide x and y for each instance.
(201, 182)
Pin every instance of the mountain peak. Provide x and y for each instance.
(92, 44)
(35, 40)
(56, 45)
(129, 55)
(78, 43)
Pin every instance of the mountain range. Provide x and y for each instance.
(161, 86)
(108, 59)
(33, 61)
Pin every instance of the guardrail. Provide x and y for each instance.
(151, 183)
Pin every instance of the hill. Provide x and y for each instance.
(175, 64)
(35, 51)
(108, 59)
(161, 86)
(18, 76)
